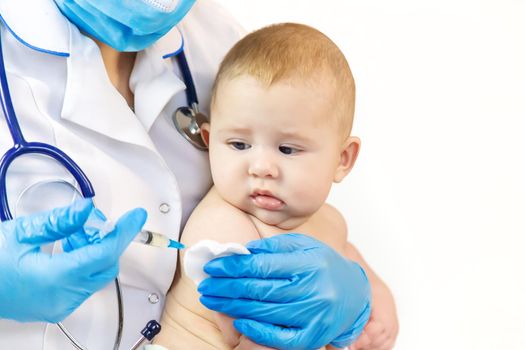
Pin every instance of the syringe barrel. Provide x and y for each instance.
(152, 238)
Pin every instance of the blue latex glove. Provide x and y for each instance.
(293, 292)
(35, 286)
(88, 234)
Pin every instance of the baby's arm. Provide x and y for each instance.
(186, 323)
(381, 330)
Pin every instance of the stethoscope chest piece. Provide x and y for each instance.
(188, 121)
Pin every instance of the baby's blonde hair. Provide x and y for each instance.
(293, 52)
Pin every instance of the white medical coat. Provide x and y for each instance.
(62, 96)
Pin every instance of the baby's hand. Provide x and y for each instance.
(375, 336)
(381, 330)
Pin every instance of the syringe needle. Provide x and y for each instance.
(176, 245)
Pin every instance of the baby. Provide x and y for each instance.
(279, 136)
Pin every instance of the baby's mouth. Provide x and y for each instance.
(266, 200)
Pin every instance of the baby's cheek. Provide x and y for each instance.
(309, 195)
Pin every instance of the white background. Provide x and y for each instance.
(436, 202)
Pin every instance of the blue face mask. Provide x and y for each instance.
(125, 25)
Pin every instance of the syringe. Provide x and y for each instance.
(157, 240)
(97, 227)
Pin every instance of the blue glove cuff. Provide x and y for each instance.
(351, 335)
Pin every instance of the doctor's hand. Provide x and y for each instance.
(36, 286)
(292, 292)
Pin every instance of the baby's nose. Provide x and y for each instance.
(263, 166)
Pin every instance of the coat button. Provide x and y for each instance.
(164, 208)
(153, 298)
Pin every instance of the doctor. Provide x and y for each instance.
(98, 79)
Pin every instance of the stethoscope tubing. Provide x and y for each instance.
(118, 336)
(42, 149)
(21, 147)
(191, 92)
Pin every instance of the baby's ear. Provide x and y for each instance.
(347, 158)
(205, 133)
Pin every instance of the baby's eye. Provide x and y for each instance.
(288, 150)
(240, 146)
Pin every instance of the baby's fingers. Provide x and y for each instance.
(373, 336)
(375, 329)
(385, 341)
(362, 342)
(379, 343)
(389, 344)
(382, 338)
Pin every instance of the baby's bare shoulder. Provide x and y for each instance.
(333, 218)
(216, 219)
(329, 226)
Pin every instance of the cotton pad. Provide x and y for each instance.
(199, 254)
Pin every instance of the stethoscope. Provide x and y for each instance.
(187, 121)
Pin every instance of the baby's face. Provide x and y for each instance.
(274, 151)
